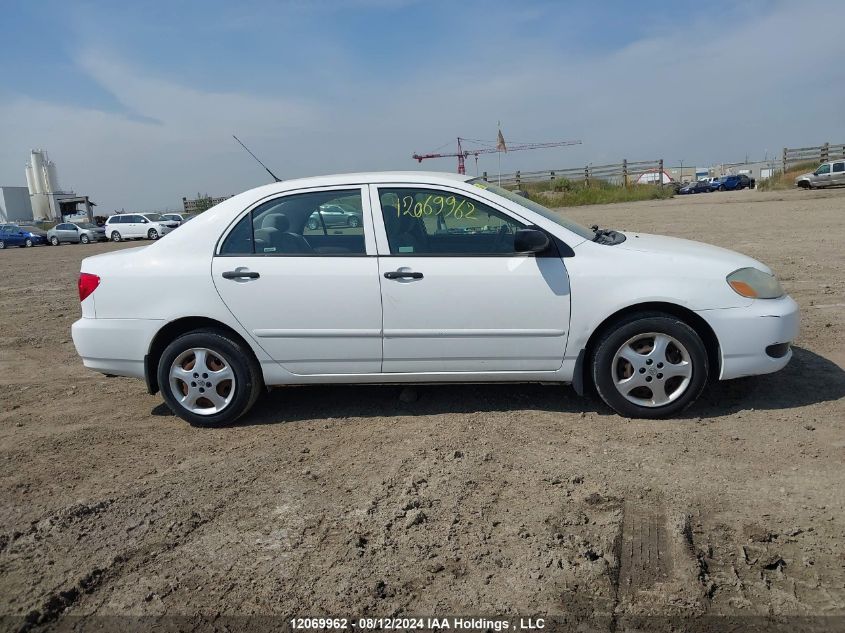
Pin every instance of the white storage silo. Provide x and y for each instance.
(52, 178)
(30, 179)
(37, 163)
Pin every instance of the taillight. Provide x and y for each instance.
(87, 284)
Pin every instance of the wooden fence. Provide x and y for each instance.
(819, 154)
(623, 173)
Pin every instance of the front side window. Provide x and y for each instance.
(317, 223)
(436, 222)
(824, 169)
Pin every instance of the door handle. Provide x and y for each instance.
(240, 274)
(402, 274)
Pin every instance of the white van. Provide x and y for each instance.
(138, 226)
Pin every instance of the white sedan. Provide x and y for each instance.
(446, 279)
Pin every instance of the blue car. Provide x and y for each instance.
(14, 235)
(732, 183)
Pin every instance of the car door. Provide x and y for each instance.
(822, 176)
(70, 233)
(837, 173)
(309, 297)
(455, 295)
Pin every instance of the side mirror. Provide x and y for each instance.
(530, 241)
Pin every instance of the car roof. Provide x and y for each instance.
(357, 178)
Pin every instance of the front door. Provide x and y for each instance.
(455, 295)
(309, 297)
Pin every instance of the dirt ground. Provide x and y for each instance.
(485, 500)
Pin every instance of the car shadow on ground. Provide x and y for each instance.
(808, 379)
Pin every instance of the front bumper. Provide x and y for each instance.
(115, 346)
(745, 333)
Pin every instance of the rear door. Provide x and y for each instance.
(455, 295)
(310, 297)
(837, 173)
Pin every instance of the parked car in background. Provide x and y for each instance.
(16, 235)
(827, 174)
(732, 183)
(76, 233)
(448, 279)
(179, 218)
(335, 215)
(127, 226)
(699, 186)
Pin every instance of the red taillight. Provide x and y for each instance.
(87, 284)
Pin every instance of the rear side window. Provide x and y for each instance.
(326, 223)
(838, 167)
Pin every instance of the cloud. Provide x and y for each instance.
(764, 77)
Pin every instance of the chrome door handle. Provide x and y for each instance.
(240, 274)
(402, 274)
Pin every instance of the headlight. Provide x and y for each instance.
(755, 284)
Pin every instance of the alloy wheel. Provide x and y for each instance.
(652, 369)
(202, 381)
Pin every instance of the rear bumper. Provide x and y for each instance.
(115, 346)
(745, 334)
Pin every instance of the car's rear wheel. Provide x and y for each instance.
(115, 236)
(353, 221)
(721, 187)
(54, 241)
(84, 239)
(312, 224)
(208, 379)
(650, 365)
(152, 234)
(2, 245)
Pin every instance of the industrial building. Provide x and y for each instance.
(201, 203)
(15, 205)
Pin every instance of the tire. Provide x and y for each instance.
(2, 245)
(152, 234)
(353, 222)
(115, 236)
(312, 224)
(84, 239)
(54, 241)
(721, 187)
(28, 243)
(609, 365)
(220, 349)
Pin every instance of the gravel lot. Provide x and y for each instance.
(489, 500)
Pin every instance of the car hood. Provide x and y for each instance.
(677, 249)
(807, 175)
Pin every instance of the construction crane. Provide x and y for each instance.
(462, 154)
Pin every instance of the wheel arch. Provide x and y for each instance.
(695, 321)
(173, 329)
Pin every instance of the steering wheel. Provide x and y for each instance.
(499, 242)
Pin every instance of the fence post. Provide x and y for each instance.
(825, 153)
(552, 175)
(660, 173)
(586, 174)
(783, 167)
(484, 176)
(625, 172)
(517, 179)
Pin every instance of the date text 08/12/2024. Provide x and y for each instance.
(421, 624)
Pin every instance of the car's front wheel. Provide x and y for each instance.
(353, 221)
(84, 239)
(650, 365)
(208, 379)
(152, 234)
(115, 236)
(28, 243)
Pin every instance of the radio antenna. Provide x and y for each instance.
(256, 158)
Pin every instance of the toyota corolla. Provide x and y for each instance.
(445, 279)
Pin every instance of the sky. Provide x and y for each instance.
(137, 102)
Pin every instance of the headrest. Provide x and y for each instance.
(277, 221)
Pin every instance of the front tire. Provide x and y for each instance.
(115, 236)
(650, 365)
(152, 234)
(84, 239)
(208, 379)
(28, 243)
(353, 221)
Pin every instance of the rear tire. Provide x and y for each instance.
(115, 236)
(675, 376)
(2, 245)
(353, 221)
(183, 398)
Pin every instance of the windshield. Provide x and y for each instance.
(536, 207)
(153, 217)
